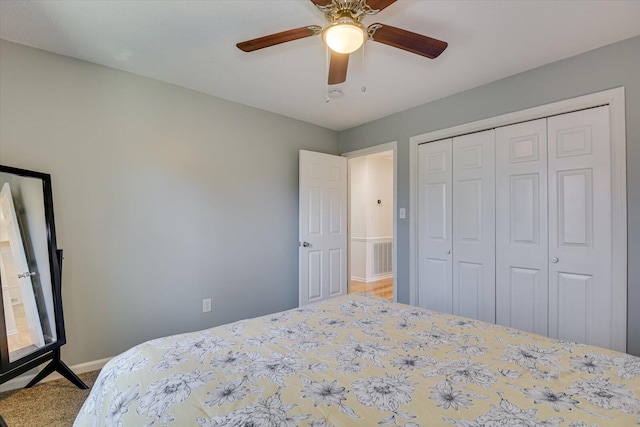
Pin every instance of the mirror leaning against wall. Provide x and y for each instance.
(31, 320)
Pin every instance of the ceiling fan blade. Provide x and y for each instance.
(321, 2)
(406, 40)
(379, 4)
(277, 38)
(338, 68)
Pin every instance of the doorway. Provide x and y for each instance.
(371, 223)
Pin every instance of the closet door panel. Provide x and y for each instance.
(524, 209)
(434, 226)
(525, 303)
(469, 290)
(435, 289)
(474, 226)
(574, 294)
(437, 210)
(521, 226)
(469, 197)
(580, 300)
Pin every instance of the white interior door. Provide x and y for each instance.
(322, 226)
(435, 234)
(580, 291)
(522, 273)
(10, 222)
(474, 226)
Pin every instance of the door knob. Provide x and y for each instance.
(306, 244)
(448, 251)
(555, 260)
(26, 274)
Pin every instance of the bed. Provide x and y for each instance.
(360, 360)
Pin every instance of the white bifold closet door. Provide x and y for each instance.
(457, 226)
(522, 264)
(515, 227)
(553, 235)
(474, 291)
(579, 162)
(435, 233)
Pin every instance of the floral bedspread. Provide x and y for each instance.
(363, 361)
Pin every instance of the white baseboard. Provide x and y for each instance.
(23, 380)
(372, 279)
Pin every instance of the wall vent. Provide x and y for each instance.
(382, 258)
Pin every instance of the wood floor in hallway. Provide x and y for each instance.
(382, 288)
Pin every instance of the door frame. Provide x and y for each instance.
(389, 146)
(615, 99)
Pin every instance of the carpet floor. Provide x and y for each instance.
(50, 404)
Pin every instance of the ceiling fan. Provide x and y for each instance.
(344, 34)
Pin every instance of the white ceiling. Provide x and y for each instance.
(192, 44)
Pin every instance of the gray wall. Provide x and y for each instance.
(163, 196)
(605, 68)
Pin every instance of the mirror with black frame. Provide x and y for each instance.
(25, 273)
(31, 318)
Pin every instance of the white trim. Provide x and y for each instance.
(23, 380)
(372, 239)
(413, 223)
(618, 216)
(615, 98)
(389, 146)
(372, 279)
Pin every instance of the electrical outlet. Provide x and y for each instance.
(206, 305)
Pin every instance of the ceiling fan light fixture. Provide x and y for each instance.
(344, 35)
